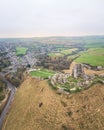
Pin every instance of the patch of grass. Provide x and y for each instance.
(94, 57)
(21, 51)
(62, 52)
(41, 73)
(69, 51)
(73, 56)
(55, 54)
(71, 79)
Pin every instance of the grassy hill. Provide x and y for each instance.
(37, 107)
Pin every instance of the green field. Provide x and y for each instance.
(73, 56)
(43, 73)
(94, 57)
(55, 54)
(69, 51)
(94, 45)
(62, 52)
(21, 50)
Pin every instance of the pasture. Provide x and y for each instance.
(93, 56)
(62, 52)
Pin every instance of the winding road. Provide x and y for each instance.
(11, 97)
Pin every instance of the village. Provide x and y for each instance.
(15, 65)
(8, 54)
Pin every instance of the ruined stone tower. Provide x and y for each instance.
(78, 71)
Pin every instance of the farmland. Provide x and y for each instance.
(69, 51)
(94, 57)
(56, 54)
(62, 52)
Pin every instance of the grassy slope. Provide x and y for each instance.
(41, 73)
(81, 111)
(25, 111)
(21, 50)
(94, 57)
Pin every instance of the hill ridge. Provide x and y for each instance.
(37, 107)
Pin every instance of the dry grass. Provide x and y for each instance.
(38, 107)
(89, 72)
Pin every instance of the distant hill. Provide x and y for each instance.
(90, 40)
(38, 107)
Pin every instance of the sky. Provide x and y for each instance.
(33, 18)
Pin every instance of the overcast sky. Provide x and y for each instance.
(30, 18)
